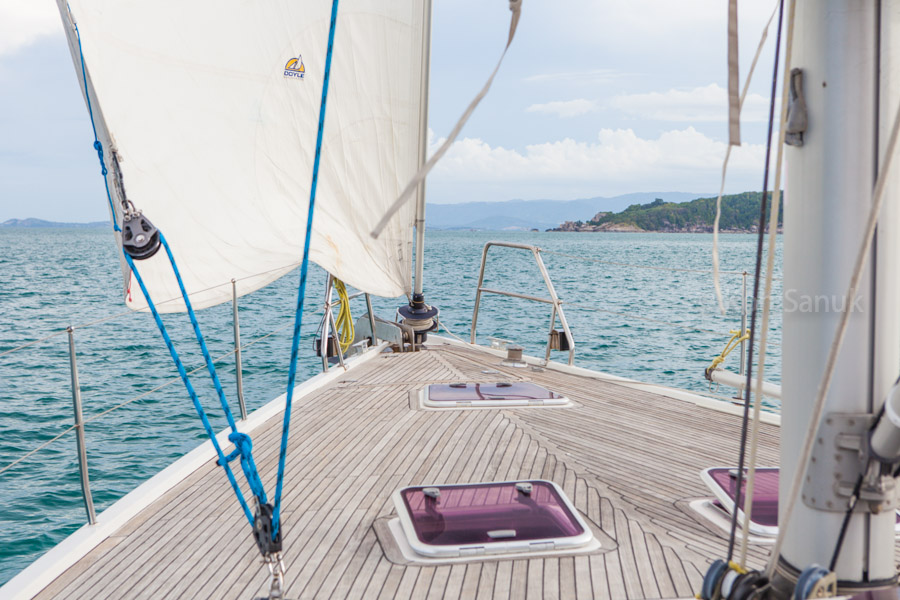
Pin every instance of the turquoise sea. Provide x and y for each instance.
(650, 324)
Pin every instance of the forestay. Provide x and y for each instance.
(211, 109)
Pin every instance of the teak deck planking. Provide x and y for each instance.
(626, 458)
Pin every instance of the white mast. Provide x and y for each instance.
(423, 149)
(850, 64)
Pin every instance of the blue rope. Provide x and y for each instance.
(97, 145)
(295, 344)
(242, 442)
(243, 445)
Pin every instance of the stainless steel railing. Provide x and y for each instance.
(554, 301)
(80, 422)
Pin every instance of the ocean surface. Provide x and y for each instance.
(659, 324)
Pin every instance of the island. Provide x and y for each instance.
(740, 214)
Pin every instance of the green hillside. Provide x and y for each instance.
(740, 212)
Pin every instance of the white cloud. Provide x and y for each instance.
(566, 108)
(702, 104)
(23, 22)
(618, 162)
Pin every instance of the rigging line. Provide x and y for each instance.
(191, 372)
(715, 249)
(97, 145)
(621, 264)
(140, 310)
(515, 6)
(38, 449)
(32, 343)
(838, 340)
(138, 397)
(301, 292)
(223, 460)
(748, 392)
(770, 264)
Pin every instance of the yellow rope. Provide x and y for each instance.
(344, 320)
(736, 339)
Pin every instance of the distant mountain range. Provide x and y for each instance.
(36, 223)
(535, 214)
(513, 215)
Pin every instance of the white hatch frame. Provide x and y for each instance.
(425, 400)
(580, 541)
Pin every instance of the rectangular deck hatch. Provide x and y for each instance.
(504, 393)
(764, 516)
(489, 518)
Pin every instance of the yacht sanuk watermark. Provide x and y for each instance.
(419, 464)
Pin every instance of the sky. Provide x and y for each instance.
(594, 98)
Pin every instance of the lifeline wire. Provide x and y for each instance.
(301, 293)
(757, 275)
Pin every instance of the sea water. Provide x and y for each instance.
(660, 324)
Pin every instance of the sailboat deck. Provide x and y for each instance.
(628, 459)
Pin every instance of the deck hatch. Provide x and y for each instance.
(489, 518)
(764, 516)
(503, 393)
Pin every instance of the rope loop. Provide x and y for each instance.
(99, 148)
(733, 342)
(244, 448)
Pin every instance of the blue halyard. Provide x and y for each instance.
(242, 442)
(295, 344)
(97, 145)
(246, 460)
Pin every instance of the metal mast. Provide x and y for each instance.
(423, 148)
(850, 63)
(417, 314)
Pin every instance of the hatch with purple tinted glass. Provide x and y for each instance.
(764, 514)
(489, 518)
(504, 393)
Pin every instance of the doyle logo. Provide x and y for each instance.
(294, 68)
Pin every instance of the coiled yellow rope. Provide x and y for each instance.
(736, 339)
(344, 320)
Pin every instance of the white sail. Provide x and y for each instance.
(212, 110)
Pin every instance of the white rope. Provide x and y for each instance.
(822, 393)
(770, 267)
(453, 335)
(516, 7)
(715, 248)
